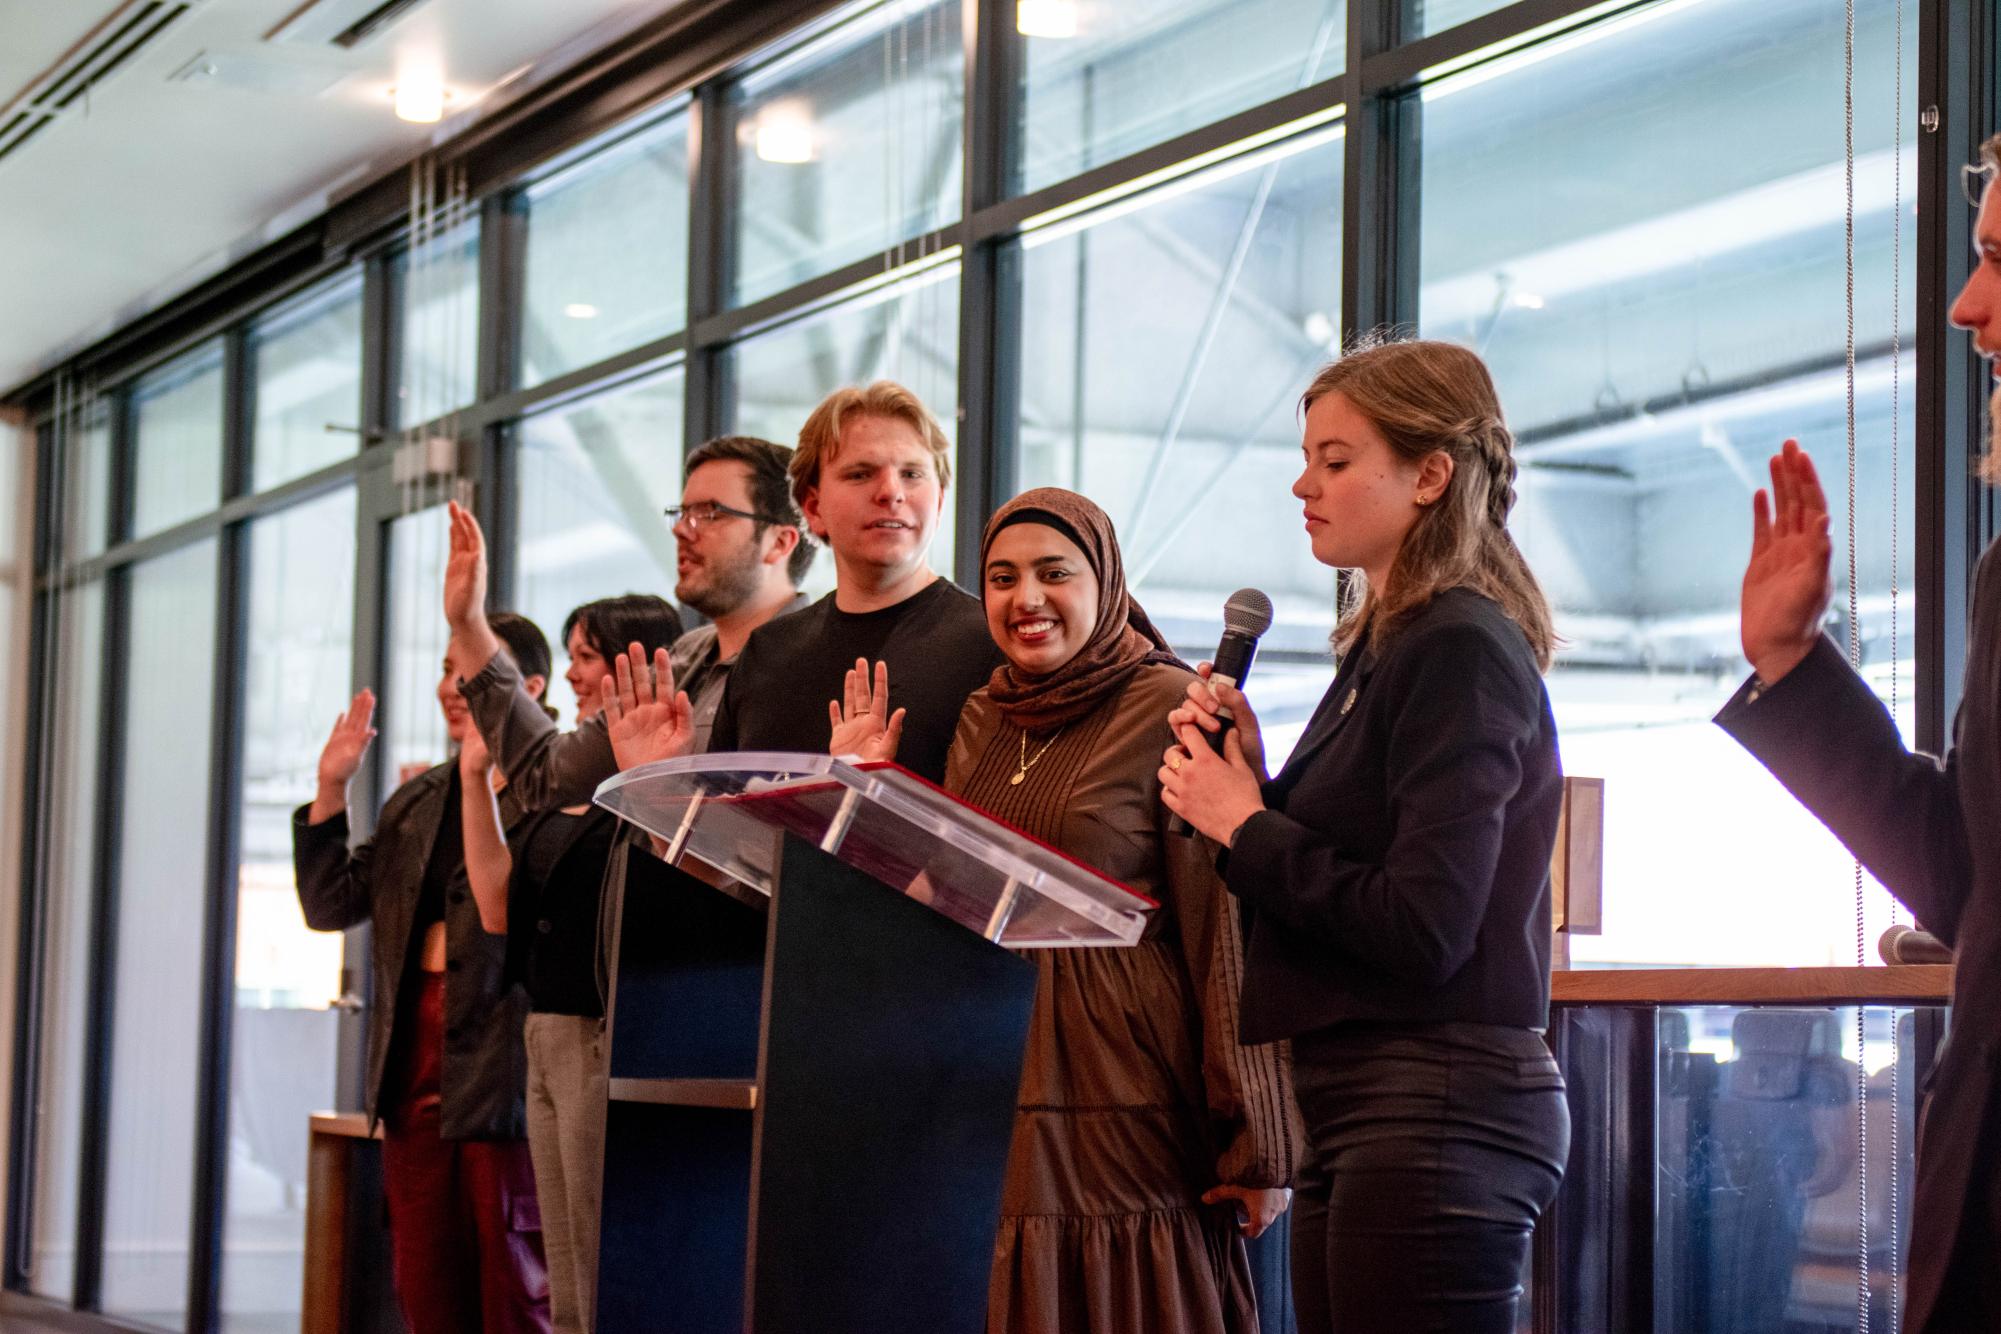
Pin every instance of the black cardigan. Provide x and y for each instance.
(485, 1066)
(1400, 873)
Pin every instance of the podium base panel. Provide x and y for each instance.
(675, 1219)
(690, 978)
(892, 1060)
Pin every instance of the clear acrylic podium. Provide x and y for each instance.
(815, 1044)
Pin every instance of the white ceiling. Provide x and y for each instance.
(148, 185)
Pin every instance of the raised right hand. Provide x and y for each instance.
(1786, 584)
(862, 722)
(465, 570)
(645, 717)
(340, 759)
(1199, 710)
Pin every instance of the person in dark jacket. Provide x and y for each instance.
(1397, 868)
(1913, 820)
(445, 1060)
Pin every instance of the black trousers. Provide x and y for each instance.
(1431, 1151)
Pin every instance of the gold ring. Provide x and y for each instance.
(1175, 764)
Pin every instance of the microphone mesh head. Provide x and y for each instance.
(1248, 613)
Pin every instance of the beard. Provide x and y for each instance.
(730, 582)
(1989, 464)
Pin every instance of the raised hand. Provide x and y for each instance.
(862, 722)
(645, 717)
(1786, 584)
(340, 759)
(465, 570)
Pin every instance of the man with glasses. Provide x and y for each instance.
(741, 551)
(1914, 821)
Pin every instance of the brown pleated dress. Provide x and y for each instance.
(1135, 1094)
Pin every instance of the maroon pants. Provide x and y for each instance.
(463, 1224)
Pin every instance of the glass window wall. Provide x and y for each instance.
(436, 289)
(283, 1035)
(1096, 74)
(607, 262)
(163, 870)
(849, 146)
(906, 331)
(1659, 316)
(307, 384)
(1165, 342)
(67, 778)
(595, 477)
(177, 427)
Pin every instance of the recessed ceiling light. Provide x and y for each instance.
(1046, 18)
(420, 99)
(581, 310)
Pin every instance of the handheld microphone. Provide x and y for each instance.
(1246, 616)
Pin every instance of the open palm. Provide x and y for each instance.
(340, 760)
(465, 569)
(1786, 584)
(645, 718)
(862, 722)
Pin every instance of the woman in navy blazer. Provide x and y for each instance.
(1397, 868)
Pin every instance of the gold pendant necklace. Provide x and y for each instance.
(1026, 762)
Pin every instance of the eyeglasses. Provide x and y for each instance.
(1973, 178)
(700, 516)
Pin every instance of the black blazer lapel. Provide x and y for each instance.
(1336, 706)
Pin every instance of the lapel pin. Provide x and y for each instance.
(1349, 702)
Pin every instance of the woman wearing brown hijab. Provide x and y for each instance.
(1144, 1131)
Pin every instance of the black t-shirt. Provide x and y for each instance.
(552, 908)
(935, 642)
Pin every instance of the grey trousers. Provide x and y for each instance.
(566, 1113)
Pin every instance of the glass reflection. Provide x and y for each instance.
(437, 331)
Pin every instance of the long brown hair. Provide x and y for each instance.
(1424, 396)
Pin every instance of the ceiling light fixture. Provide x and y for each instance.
(581, 310)
(420, 98)
(1046, 18)
(785, 134)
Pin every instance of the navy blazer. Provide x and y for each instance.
(1915, 822)
(1400, 873)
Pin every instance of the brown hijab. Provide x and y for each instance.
(1121, 643)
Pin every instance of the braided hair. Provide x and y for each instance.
(1426, 397)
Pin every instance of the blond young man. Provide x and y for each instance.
(870, 475)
